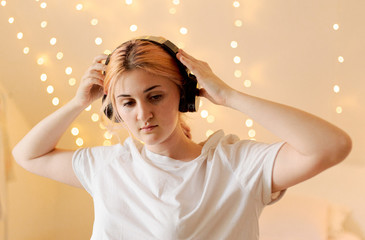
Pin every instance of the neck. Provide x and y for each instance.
(178, 146)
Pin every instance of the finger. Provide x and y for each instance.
(185, 54)
(192, 63)
(97, 75)
(184, 60)
(99, 67)
(95, 81)
(194, 67)
(203, 93)
(93, 74)
(100, 58)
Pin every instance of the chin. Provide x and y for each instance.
(149, 139)
(154, 138)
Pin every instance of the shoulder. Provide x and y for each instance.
(232, 142)
(228, 142)
(98, 151)
(240, 151)
(104, 153)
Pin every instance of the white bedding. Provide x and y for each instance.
(299, 217)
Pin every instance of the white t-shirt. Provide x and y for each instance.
(139, 194)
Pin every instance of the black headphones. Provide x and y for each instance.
(189, 100)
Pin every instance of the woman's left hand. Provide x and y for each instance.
(211, 86)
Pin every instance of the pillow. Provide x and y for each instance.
(337, 216)
(346, 236)
(295, 217)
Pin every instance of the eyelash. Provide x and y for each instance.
(153, 99)
(128, 104)
(156, 98)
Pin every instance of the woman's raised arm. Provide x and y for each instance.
(312, 144)
(37, 151)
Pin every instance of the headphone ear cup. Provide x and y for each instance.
(109, 112)
(108, 109)
(182, 104)
(189, 100)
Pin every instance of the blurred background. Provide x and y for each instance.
(307, 54)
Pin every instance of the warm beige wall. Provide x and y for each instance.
(288, 50)
(38, 208)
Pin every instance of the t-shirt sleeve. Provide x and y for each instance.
(252, 162)
(83, 163)
(87, 163)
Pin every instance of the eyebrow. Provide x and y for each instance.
(145, 91)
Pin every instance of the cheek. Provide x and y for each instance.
(172, 102)
(125, 115)
(170, 111)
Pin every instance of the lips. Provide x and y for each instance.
(148, 128)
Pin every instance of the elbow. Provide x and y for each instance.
(16, 155)
(346, 146)
(19, 158)
(341, 149)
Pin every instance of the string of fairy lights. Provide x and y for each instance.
(237, 73)
(234, 44)
(251, 132)
(95, 117)
(340, 60)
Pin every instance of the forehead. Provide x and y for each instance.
(139, 80)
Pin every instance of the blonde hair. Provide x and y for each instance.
(138, 54)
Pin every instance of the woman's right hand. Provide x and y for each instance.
(91, 85)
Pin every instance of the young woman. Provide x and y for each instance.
(164, 185)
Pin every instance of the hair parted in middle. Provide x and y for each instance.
(138, 54)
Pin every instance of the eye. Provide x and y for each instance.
(128, 103)
(156, 98)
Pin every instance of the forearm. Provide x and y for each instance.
(44, 137)
(306, 133)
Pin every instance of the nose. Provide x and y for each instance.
(144, 112)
